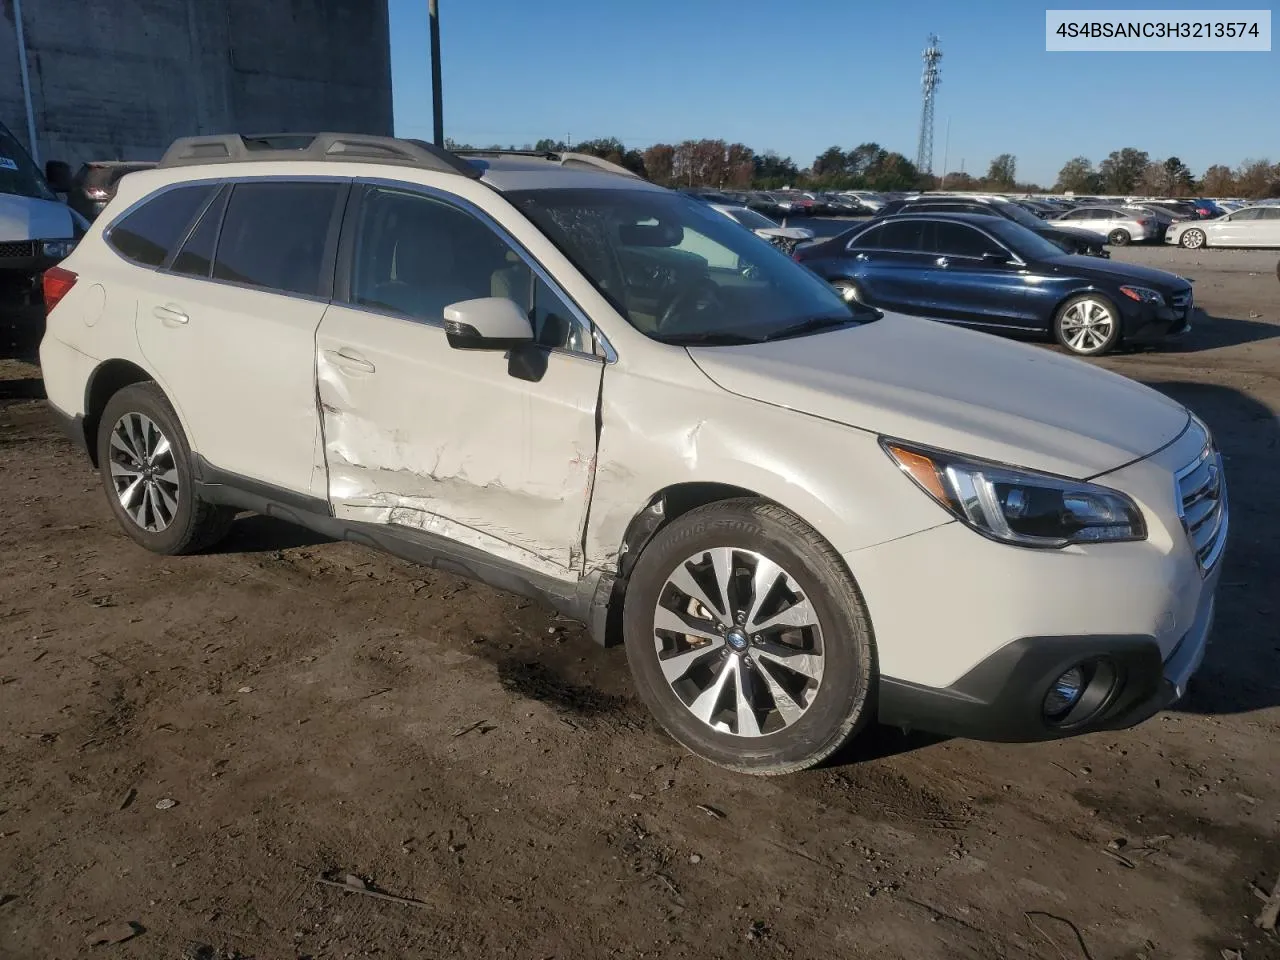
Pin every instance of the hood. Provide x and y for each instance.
(29, 218)
(786, 233)
(1093, 268)
(959, 390)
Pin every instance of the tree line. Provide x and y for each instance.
(717, 163)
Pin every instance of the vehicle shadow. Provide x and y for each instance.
(26, 388)
(255, 533)
(1209, 332)
(1241, 671)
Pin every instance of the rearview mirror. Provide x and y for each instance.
(487, 323)
(650, 235)
(58, 175)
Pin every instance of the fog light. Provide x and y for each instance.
(1064, 694)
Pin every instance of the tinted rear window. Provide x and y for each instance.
(148, 234)
(196, 255)
(274, 235)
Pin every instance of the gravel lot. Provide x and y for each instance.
(313, 708)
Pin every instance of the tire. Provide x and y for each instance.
(848, 290)
(164, 515)
(1193, 239)
(1119, 238)
(1087, 325)
(804, 711)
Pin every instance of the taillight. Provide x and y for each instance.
(56, 283)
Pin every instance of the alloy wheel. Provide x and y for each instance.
(1193, 239)
(144, 472)
(1087, 326)
(738, 642)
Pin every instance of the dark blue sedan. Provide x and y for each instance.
(992, 273)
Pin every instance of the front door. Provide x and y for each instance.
(973, 279)
(484, 448)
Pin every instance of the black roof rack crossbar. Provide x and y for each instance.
(343, 147)
(562, 157)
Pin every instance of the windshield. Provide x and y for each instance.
(681, 272)
(1025, 243)
(1019, 215)
(18, 174)
(751, 219)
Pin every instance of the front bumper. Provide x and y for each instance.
(1001, 699)
(1146, 322)
(970, 633)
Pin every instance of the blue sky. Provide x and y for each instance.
(802, 76)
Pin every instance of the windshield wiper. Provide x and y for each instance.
(818, 324)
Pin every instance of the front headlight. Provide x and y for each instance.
(1143, 295)
(1020, 507)
(57, 249)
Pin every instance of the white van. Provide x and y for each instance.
(36, 228)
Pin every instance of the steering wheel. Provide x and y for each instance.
(689, 303)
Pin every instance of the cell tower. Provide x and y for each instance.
(929, 81)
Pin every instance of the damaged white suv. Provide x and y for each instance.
(541, 371)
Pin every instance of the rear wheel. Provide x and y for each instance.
(1193, 239)
(749, 639)
(1087, 325)
(145, 464)
(1119, 237)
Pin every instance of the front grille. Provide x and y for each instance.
(1181, 300)
(18, 248)
(1202, 505)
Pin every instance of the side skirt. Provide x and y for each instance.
(586, 601)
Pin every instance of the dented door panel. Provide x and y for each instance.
(449, 442)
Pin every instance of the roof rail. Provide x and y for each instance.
(344, 147)
(562, 157)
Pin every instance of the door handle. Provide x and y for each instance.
(861, 256)
(350, 361)
(942, 262)
(170, 315)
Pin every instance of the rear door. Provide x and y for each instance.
(228, 324)
(491, 450)
(973, 278)
(889, 266)
(1269, 227)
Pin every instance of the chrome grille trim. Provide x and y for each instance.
(1202, 506)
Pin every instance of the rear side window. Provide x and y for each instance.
(274, 235)
(196, 256)
(903, 235)
(868, 240)
(148, 234)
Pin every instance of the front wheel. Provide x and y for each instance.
(1087, 325)
(1193, 239)
(749, 639)
(1119, 238)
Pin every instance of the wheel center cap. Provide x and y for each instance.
(736, 639)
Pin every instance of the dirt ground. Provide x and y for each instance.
(186, 745)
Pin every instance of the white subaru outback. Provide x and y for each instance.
(799, 514)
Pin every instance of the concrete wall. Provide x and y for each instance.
(120, 79)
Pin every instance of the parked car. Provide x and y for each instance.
(868, 198)
(988, 272)
(36, 228)
(1068, 239)
(1169, 211)
(554, 376)
(95, 183)
(784, 238)
(1257, 226)
(1207, 209)
(1120, 225)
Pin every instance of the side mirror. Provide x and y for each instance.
(487, 323)
(58, 176)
